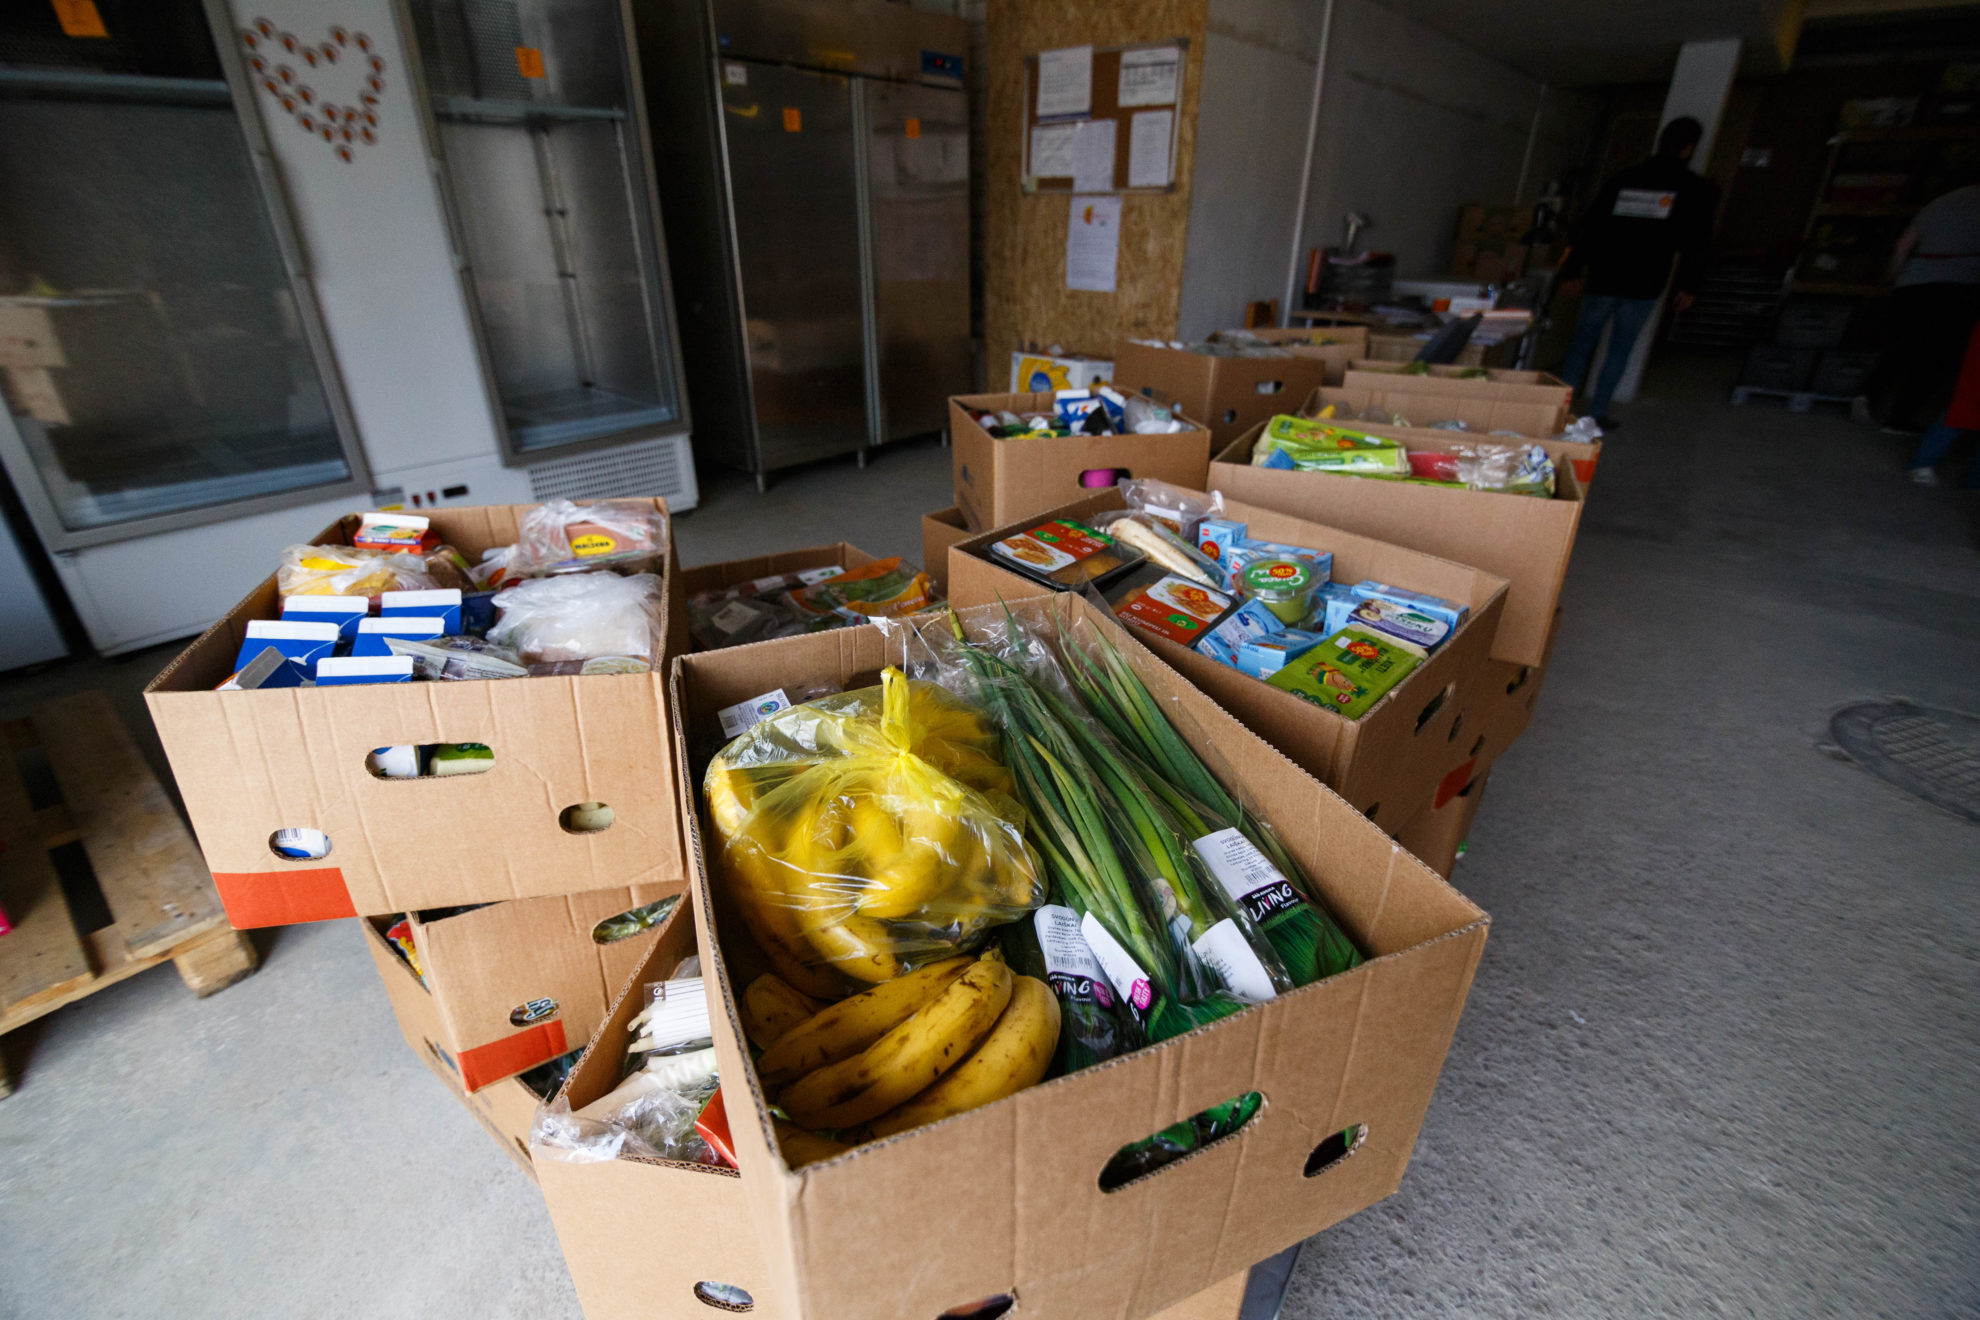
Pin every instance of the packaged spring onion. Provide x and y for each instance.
(1252, 868)
(1170, 947)
(869, 832)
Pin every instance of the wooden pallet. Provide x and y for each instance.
(133, 848)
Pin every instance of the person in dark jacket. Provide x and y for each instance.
(1645, 217)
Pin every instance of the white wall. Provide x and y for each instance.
(1412, 126)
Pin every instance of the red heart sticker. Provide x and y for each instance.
(341, 124)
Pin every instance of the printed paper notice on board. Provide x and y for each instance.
(1093, 243)
(1149, 77)
(1052, 150)
(1065, 81)
(1093, 156)
(1148, 148)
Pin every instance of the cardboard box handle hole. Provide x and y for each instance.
(1434, 705)
(1230, 414)
(1456, 724)
(987, 1309)
(1370, 810)
(585, 818)
(536, 1010)
(1478, 746)
(1269, 387)
(1337, 1147)
(1103, 478)
(1519, 679)
(633, 921)
(1181, 1141)
(723, 1296)
(429, 760)
(299, 843)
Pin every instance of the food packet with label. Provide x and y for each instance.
(883, 589)
(343, 570)
(557, 536)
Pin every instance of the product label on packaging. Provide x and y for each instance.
(1126, 974)
(1028, 549)
(813, 576)
(744, 715)
(1246, 874)
(1644, 204)
(1175, 608)
(1070, 966)
(1225, 951)
(731, 617)
(591, 544)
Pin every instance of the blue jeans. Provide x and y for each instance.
(1631, 315)
(1933, 447)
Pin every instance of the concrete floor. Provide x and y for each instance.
(1720, 1058)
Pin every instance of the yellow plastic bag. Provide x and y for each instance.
(869, 832)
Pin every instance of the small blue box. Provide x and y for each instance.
(1249, 622)
(1333, 605)
(1266, 656)
(340, 671)
(301, 641)
(344, 611)
(1436, 606)
(1218, 538)
(443, 604)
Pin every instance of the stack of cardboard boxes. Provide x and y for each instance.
(1415, 764)
(488, 907)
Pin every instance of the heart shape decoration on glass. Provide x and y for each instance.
(272, 57)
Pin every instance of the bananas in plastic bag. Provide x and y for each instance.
(869, 832)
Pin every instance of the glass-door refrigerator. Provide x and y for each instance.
(544, 164)
(162, 359)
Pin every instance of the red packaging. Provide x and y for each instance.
(1430, 464)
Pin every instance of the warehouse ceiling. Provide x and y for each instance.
(1586, 43)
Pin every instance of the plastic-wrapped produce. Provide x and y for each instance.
(581, 617)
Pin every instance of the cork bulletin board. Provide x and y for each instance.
(1121, 135)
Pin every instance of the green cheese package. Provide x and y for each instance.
(1315, 446)
(1349, 672)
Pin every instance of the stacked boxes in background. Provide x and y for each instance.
(997, 481)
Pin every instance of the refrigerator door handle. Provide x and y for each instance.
(869, 315)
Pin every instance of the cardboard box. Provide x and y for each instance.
(518, 984)
(1437, 837)
(1350, 343)
(939, 531)
(251, 763)
(610, 1215)
(1583, 454)
(1437, 401)
(1041, 373)
(1004, 1200)
(1000, 481)
(1452, 371)
(1229, 394)
(1526, 540)
(27, 337)
(1398, 346)
(1511, 691)
(1387, 763)
(1447, 384)
(1488, 262)
(505, 1109)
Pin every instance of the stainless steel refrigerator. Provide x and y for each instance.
(812, 158)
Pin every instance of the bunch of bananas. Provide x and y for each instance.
(950, 1037)
(870, 831)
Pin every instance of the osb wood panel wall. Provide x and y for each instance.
(1025, 296)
